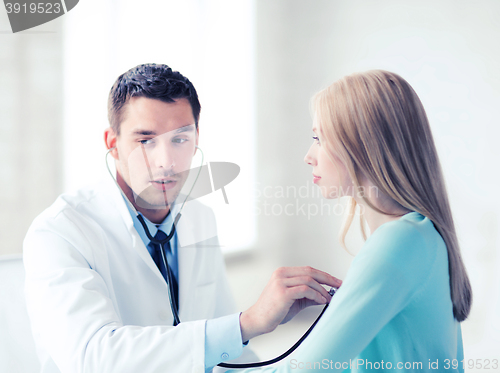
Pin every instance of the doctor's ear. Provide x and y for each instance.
(196, 147)
(110, 141)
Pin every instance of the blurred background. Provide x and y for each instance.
(256, 65)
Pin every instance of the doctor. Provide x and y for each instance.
(96, 289)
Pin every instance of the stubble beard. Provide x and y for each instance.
(153, 199)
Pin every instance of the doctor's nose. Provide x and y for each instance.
(162, 157)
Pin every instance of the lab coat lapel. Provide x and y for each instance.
(187, 262)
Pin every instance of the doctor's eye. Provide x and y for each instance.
(146, 141)
(179, 140)
(316, 138)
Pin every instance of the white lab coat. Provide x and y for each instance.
(98, 303)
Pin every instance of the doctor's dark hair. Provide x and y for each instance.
(155, 81)
(376, 125)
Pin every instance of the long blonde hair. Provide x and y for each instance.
(375, 123)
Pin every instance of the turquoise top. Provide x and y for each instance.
(393, 310)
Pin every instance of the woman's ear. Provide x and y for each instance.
(110, 141)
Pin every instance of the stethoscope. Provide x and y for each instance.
(173, 304)
(161, 243)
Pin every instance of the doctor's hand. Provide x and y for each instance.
(290, 290)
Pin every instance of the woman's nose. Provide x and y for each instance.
(309, 158)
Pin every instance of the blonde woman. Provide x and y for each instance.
(400, 306)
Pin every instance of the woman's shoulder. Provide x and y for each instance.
(411, 240)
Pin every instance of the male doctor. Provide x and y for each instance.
(96, 286)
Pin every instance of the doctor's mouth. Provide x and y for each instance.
(164, 184)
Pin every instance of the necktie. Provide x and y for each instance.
(158, 259)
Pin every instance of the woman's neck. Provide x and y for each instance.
(373, 218)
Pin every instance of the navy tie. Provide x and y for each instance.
(158, 259)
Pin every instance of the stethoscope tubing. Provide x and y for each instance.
(173, 304)
(285, 354)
